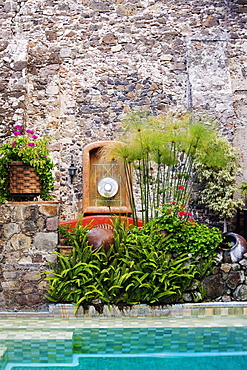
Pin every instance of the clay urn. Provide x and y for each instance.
(98, 237)
(234, 247)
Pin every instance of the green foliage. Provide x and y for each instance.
(31, 150)
(75, 236)
(165, 153)
(218, 177)
(243, 188)
(144, 265)
(178, 233)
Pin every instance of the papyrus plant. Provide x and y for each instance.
(161, 153)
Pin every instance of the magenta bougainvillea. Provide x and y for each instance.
(26, 146)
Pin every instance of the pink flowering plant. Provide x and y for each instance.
(26, 146)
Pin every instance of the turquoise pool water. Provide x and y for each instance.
(199, 362)
(119, 344)
(144, 348)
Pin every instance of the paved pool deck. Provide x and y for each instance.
(30, 324)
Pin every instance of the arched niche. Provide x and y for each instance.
(104, 183)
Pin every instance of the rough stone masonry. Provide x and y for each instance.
(73, 69)
(28, 239)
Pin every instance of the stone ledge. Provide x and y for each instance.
(26, 202)
(177, 310)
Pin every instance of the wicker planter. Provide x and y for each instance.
(24, 182)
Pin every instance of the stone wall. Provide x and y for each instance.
(28, 240)
(73, 69)
(228, 282)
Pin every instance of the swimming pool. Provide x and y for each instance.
(121, 343)
(201, 362)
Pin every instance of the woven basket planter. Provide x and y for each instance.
(24, 182)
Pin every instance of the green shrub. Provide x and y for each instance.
(129, 276)
(153, 264)
(179, 233)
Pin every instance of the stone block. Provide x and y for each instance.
(51, 258)
(226, 267)
(10, 275)
(29, 226)
(20, 241)
(12, 258)
(65, 53)
(49, 209)
(49, 70)
(10, 285)
(109, 38)
(116, 48)
(240, 293)
(51, 35)
(29, 212)
(10, 229)
(100, 6)
(239, 82)
(25, 260)
(234, 279)
(127, 10)
(52, 224)
(18, 214)
(214, 286)
(5, 214)
(40, 223)
(243, 263)
(166, 57)
(45, 241)
(27, 288)
(31, 276)
(29, 299)
(37, 258)
(3, 45)
(43, 285)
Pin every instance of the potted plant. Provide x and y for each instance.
(28, 150)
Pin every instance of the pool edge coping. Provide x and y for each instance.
(143, 310)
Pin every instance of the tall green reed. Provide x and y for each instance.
(161, 152)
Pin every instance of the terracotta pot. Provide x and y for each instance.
(98, 237)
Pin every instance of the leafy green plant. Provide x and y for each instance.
(73, 236)
(32, 150)
(218, 178)
(243, 188)
(179, 233)
(145, 265)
